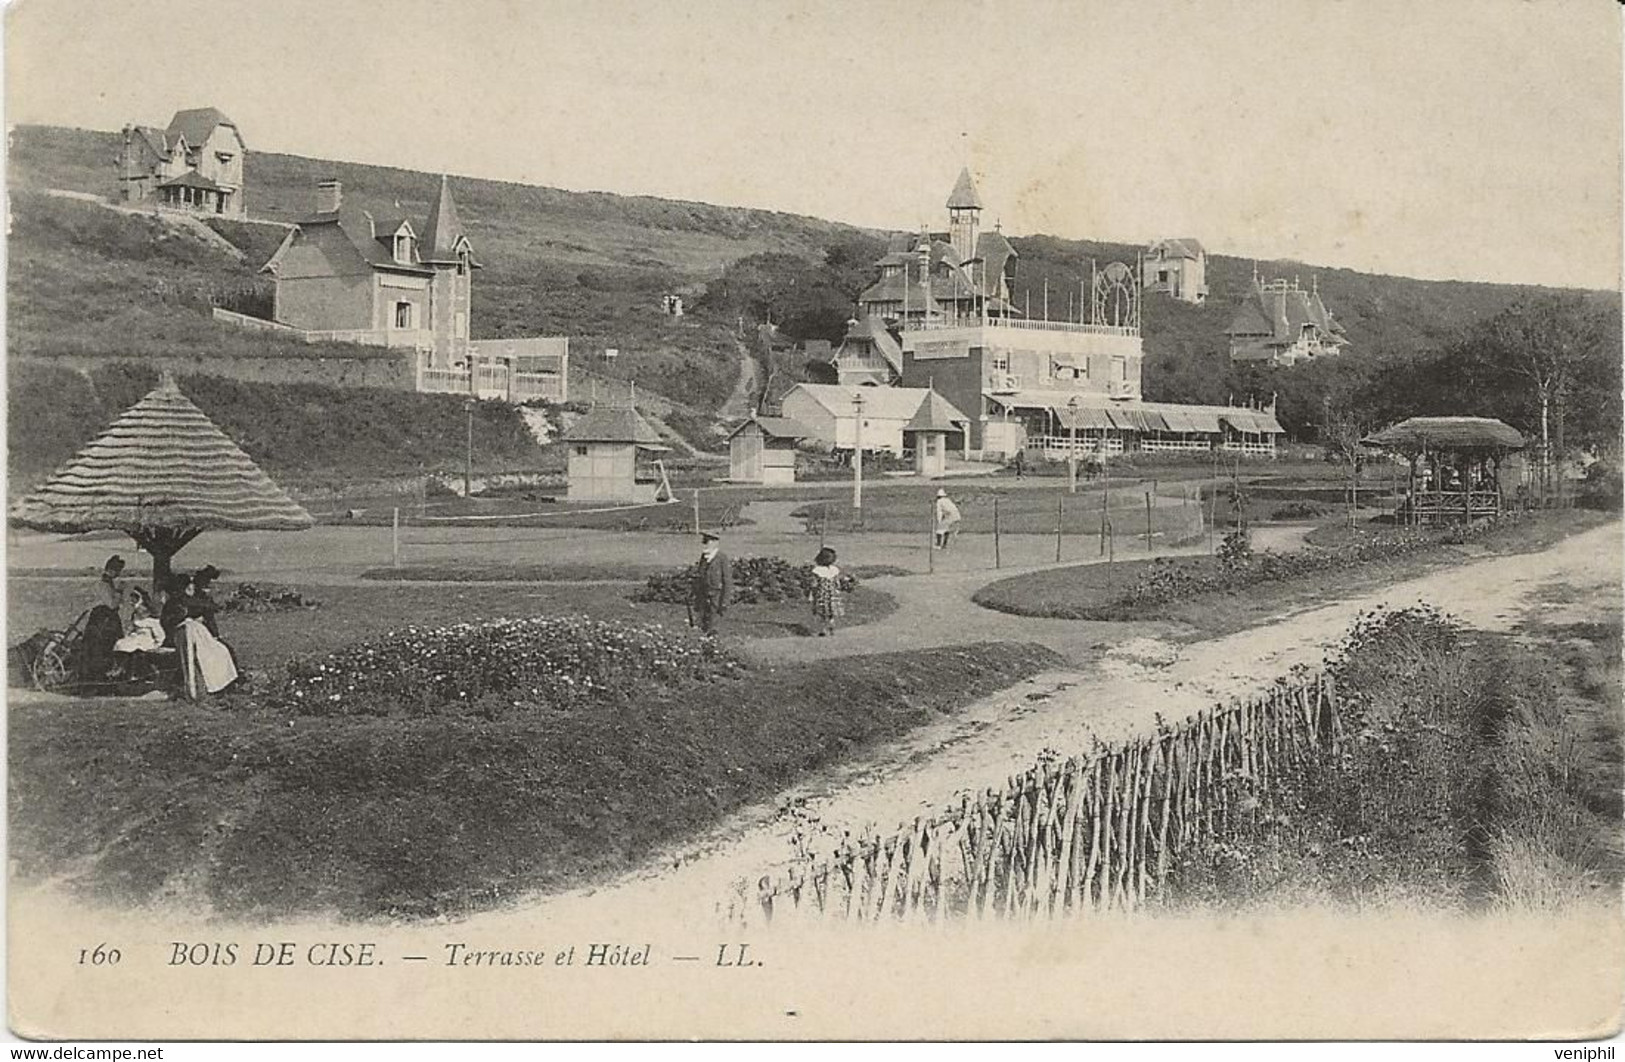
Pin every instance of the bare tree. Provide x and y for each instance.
(1543, 344)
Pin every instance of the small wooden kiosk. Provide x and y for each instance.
(606, 448)
(928, 432)
(1455, 467)
(763, 450)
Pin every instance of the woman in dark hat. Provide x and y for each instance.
(200, 605)
(104, 625)
(825, 595)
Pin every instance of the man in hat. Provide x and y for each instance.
(713, 582)
(947, 514)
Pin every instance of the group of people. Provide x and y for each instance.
(712, 587)
(128, 636)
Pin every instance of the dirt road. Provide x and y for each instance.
(1133, 682)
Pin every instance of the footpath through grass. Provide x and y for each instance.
(263, 810)
(1216, 595)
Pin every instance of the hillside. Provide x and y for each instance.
(592, 266)
(308, 437)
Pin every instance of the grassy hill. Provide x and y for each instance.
(591, 266)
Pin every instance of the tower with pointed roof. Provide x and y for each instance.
(964, 215)
(445, 249)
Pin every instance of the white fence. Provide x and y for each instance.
(1056, 447)
(494, 381)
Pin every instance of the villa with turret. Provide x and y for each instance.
(941, 316)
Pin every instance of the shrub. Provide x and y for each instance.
(545, 663)
(756, 579)
(256, 597)
(1237, 548)
(1297, 510)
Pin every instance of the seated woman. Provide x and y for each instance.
(206, 664)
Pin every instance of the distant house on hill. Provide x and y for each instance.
(1177, 268)
(195, 164)
(345, 274)
(1279, 323)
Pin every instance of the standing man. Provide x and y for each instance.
(947, 518)
(713, 583)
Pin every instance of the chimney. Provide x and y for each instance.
(329, 194)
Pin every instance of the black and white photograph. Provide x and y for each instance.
(814, 520)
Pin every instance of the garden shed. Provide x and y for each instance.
(1455, 466)
(763, 450)
(608, 461)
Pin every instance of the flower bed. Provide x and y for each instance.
(756, 579)
(543, 663)
(257, 597)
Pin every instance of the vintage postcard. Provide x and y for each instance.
(1038, 519)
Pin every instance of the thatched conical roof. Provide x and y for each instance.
(1457, 434)
(162, 465)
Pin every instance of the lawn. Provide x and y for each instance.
(1091, 592)
(353, 613)
(256, 812)
(1024, 507)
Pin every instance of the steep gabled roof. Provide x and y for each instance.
(155, 138)
(964, 195)
(443, 232)
(198, 123)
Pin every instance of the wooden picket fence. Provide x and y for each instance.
(1095, 833)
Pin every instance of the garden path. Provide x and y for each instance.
(1123, 691)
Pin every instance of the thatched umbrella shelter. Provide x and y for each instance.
(163, 473)
(1459, 461)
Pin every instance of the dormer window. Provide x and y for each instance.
(403, 247)
(462, 263)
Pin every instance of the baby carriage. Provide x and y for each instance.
(63, 661)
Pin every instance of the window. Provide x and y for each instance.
(403, 315)
(581, 451)
(462, 263)
(403, 248)
(1120, 369)
(1162, 276)
(1001, 362)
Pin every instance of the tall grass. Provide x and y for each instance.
(1475, 771)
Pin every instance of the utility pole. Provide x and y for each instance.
(1072, 448)
(857, 458)
(468, 454)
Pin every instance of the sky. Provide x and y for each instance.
(1470, 139)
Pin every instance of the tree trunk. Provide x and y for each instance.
(1545, 448)
(162, 544)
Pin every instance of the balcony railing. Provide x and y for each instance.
(1016, 324)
